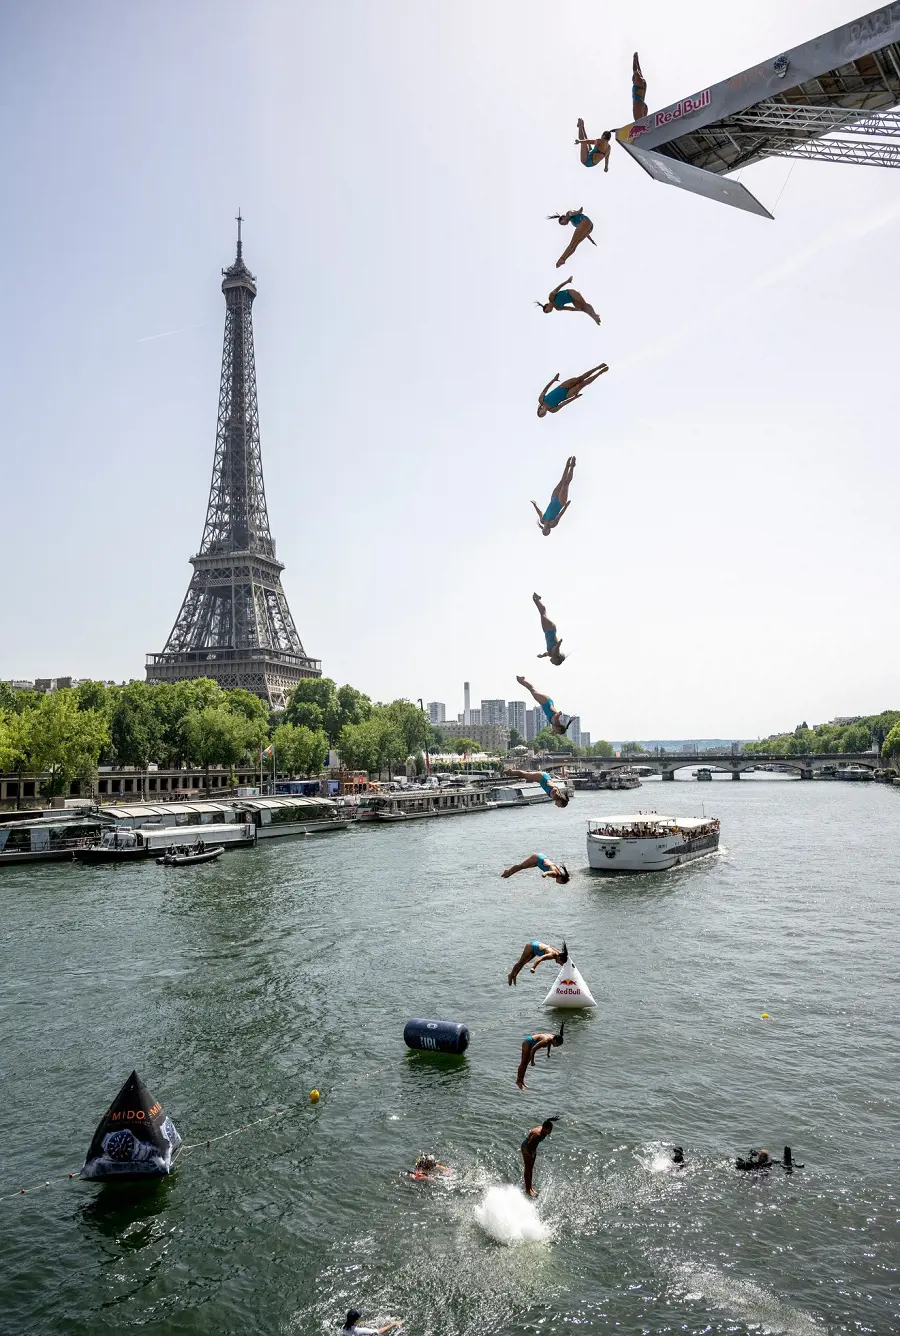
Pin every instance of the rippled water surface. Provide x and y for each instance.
(237, 987)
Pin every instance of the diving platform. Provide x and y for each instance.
(832, 98)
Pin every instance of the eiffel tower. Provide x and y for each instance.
(235, 624)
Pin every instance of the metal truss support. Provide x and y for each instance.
(842, 150)
(818, 120)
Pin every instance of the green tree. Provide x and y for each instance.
(891, 745)
(463, 745)
(59, 740)
(601, 748)
(411, 722)
(632, 748)
(353, 707)
(554, 742)
(314, 702)
(298, 749)
(358, 746)
(857, 738)
(215, 736)
(515, 738)
(95, 696)
(134, 725)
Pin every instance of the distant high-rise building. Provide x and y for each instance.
(585, 739)
(488, 736)
(474, 717)
(534, 722)
(437, 711)
(573, 732)
(466, 704)
(494, 712)
(515, 716)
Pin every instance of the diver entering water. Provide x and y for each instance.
(531, 1046)
(530, 1149)
(353, 1316)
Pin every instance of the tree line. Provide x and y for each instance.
(879, 730)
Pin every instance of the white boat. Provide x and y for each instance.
(648, 842)
(516, 795)
(293, 815)
(430, 802)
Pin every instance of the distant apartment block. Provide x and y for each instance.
(515, 716)
(534, 722)
(474, 716)
(585, 739)
(489, 736)
(437, 711)
(573, 732)
(494, 712)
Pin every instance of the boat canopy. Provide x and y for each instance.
(652, 819)
(295, 802)
(142, 814)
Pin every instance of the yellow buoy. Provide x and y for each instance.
(765, 1016)
(314, 1097)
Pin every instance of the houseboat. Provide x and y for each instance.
(704, 773)
(648, 842)
(429, 802)
(294, 815)
(129, 844)
(46, 839)
(516, 795)
(136, 816)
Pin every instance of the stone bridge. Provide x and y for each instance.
(734, 763)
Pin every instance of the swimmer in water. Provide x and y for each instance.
(593, 150)
(583, 229)
(638, 90)
(567, 391)
(553, 652)
(531, 1046)
(761, 1159)
(567, 299)
(555, 870)
(353, 1316)
(427, 1166)
(536, 951)
(559, 500)
(551, 714)
(678, 1157)
(530, 1150)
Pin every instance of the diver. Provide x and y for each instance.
(555, 870)
(551, 714)
(583, 229)
(678, 1157)
(567, 391)
(531, 1046)
(553, 652)
(536, 951)
(592, 150)
(567, 299)
(638, 90)
(542, 777)
(559, 500)
(530, 1150)
(353, 1316)
(427, 1166)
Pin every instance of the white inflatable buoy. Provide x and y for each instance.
(570, 990)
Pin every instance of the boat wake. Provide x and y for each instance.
(507, 1216)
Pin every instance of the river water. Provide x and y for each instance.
(236, 988)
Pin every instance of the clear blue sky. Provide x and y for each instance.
(729, 561)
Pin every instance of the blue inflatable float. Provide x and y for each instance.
(436, 1036)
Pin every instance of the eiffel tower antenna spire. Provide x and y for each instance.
(235, 624)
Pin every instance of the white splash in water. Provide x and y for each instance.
(507, 1216)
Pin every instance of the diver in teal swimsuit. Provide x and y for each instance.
(583, 229)
(557, 871)
(553, 652)
(538, 952)
(567, 391)
(638, 91)
(567, 299)
(559, 500)
(593, 150)
(531, 1046)
(552, 715)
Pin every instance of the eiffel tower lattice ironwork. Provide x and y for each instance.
(235, 625)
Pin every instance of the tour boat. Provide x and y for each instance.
(115, 846)
(648, 842)
(429, 802)
(45, 839)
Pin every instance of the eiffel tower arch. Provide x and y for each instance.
(235, 625)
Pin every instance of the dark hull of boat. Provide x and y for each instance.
(97, 855)
(181, 860)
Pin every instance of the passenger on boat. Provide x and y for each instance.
(531, 1046)
(567, 391)
(559, 500)
(567, 299)
(553, 652)
(592, 150)
(583, 229)
(555, 870)
(538, 952)
(638, 90)
(551, 714)
(530, 1150)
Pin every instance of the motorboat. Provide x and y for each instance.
(183, 855)
(649, 842)
(114, 846)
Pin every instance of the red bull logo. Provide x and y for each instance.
(686, 107)
(635, 131)
(567, 987)
(569, 982)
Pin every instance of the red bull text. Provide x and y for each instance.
(685, 107)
